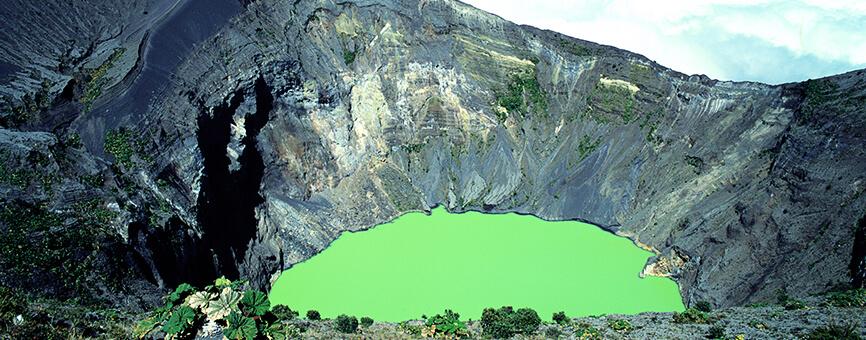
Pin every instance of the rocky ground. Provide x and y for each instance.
(293, 121)
(792, 319)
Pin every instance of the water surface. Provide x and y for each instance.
(420, 264)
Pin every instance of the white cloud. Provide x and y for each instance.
(725, 39)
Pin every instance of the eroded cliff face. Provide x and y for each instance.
(300, 120)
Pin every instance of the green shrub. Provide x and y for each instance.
(757, 324)
(552, 332)
(506, 322)
(448, 323)
(691, 315)
(526, 321)
(620, 325)
(346, 324)
(704, 306)
(284, 313)
(313, 315)
(560, 318)
(586, 331)
(349, 57)
(834, 332)
(794, 304)
(410, 329)
(716, 332)
(849, 298)
(366, 321)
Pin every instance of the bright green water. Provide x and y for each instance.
(421, 264)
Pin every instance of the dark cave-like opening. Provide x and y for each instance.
(228, 199)
(858, 255)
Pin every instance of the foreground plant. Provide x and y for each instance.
(224, 305)
(447, 325)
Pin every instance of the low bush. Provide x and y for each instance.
(691, 315)
(757, 324)
(848, 298)
(346, 324)
(560, 318)
(834, 332)
(585, 331)
(552, 332)
(704, 306)
(366, 321)
(407, 328)
(284, 313)
(447, 324)
(794, 304)
(620, 325)
(716, 332)
(505, 322)
(313, 315)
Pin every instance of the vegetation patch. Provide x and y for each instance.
(38, 246)
(848, 298)
(704, 306)
(447, 325)
(413, 148)
(817, 93)
(620, 325)
(587, 146)
(96, 79)
(521, 94)
(123, 146)
(575, 48)
(716, 332)
(33, 171)
(585, 331)
(25, 316)
(691, 315)
(284, 313)
(650, 123)
(696, 163)
(506, 322)
(560, 318)
(30, 104)
(612, 98)
(346, 324)
(349, 57)
(366, 321)
(835, 331)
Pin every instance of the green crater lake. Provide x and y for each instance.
(423, 264)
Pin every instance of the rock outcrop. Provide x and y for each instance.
(296, 121)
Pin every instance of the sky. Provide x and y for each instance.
(770, 41)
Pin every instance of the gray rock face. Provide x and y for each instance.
(329, 117)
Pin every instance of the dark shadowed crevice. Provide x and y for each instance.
(228, 199)
(858, 255)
